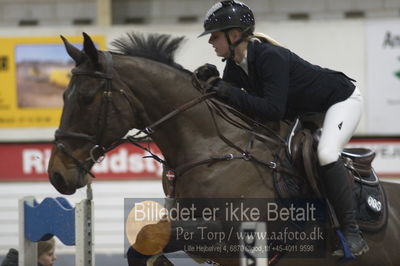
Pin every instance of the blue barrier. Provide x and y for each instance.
(55, 217)
(52, 217)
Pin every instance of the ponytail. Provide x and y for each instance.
(266, 39)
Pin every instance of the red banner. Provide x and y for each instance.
(27, 162)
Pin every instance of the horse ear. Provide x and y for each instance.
(72, 51)
(90, 49)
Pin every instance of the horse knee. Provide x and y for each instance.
(135, 258)
(153, 238)
(327, 155)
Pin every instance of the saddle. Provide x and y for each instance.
(303, 179)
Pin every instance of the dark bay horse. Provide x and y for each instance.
(111, 93)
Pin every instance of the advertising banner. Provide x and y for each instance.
(383, 73)
(28, 162)
(34, 72)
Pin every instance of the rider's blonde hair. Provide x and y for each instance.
(265, 38)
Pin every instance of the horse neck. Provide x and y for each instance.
(162, 89)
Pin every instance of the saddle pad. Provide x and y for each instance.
(372, 209)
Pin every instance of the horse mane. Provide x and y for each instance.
(157, 47)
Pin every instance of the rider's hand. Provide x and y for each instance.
(207, 71)
(221, 88)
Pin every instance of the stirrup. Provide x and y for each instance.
(345, 252)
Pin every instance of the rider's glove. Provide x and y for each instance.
(205, 72)
(221, 88)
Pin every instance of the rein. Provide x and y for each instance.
(151, 129)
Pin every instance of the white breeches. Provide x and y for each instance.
(340, 122)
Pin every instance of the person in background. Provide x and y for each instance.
(11, 258)
(46, 252)
(46, 255)
(269, 82)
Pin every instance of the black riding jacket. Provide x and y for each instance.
(281, 85)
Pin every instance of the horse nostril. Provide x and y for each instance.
(58, 181)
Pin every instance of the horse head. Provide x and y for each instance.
(91, 120)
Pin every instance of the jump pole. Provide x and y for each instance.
(253, 246)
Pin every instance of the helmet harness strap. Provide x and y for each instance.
(245, 33)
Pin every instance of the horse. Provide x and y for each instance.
(140, 86)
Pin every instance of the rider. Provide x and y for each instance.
(265, 80)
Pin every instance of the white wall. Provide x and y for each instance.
(337, 44)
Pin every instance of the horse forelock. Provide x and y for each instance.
(157, 47)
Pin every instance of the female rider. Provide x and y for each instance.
(267, 81)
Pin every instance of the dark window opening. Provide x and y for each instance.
(28, 22)
(82, 21)
(134, 20)
(299, 16)
(187, 19)
(354, 14)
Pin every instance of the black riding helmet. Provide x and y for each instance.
(227, 15)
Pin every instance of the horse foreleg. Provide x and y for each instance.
(137, 259)
(159, 260)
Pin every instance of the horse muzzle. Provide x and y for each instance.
(65, 174)
(68, 181)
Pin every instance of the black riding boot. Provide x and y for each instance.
(340, 195)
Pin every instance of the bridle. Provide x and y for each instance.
(105, 103)
(95, 139)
